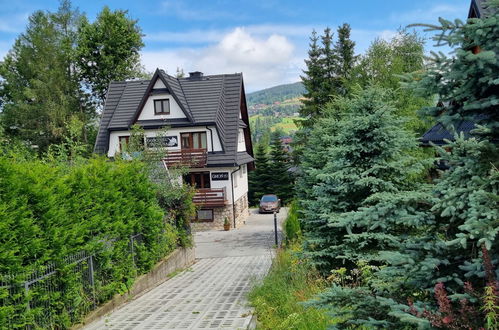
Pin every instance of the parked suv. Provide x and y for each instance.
(269, 204)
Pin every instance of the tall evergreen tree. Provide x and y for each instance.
(260, 178)
(312, 80)
(405, 242)
(345, 56)
(282, 183)
(364, 156)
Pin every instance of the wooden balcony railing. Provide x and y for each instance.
(210, 197)
(186, 157)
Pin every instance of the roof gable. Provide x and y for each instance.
(158, 75)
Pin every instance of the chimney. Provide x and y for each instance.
(195, 75)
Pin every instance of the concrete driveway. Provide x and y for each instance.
(212, 293)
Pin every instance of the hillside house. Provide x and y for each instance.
(207, 130)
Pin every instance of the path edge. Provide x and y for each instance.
(178, 260)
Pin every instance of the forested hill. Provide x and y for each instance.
(276, 94)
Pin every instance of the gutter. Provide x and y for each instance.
(211, 137)
(233, 202)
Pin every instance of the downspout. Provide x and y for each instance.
(211, 137)
(233, 202)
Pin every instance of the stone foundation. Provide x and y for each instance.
(220, 213)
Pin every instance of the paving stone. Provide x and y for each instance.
(212, 293)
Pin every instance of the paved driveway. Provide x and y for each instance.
(212, 293)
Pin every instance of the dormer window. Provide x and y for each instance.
(162, 107)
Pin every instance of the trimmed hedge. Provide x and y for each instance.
(50, 210)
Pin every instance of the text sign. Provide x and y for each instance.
(220, 176)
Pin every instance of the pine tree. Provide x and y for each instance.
(282, 182)
(260, 178)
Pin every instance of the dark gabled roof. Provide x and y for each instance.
(438, 134)
(479, 9)
(205, 100)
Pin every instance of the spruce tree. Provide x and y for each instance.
(312, 80)
(410, 240)
(282, 183)
(363, 157)
(466, 83)
(344, 50)
(260, 178)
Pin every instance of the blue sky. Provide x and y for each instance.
(267, 40)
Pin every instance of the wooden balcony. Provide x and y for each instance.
(186, 157)
(210, 197)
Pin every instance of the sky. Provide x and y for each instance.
(266, 40)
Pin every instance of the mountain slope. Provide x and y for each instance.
(276, 94)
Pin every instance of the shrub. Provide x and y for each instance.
(50, 210)
(291, 226)
(278, 300)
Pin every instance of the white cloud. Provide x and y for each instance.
(264, 62)
(215, 35)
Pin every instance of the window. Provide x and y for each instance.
(244, 168)
(198, 180)
(162, 107)
(235, 179)
(241, 173)
(123, 143)
(195, 140)
(204, 215)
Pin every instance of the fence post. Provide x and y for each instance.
(92, 282)
(132, 250)
(26, 289)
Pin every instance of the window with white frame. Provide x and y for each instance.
(244, 169)
(235, 179)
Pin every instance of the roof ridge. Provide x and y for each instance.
(186, 101)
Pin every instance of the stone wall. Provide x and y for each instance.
(220, 213)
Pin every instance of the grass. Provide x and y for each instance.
(278, 299)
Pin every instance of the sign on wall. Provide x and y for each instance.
(220, 176)
(162, 141)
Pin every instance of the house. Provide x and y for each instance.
(207, 130)
(438, 133)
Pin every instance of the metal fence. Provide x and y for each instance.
(59, 294)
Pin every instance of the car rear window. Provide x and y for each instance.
(269, 199)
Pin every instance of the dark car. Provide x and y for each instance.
(270, 204)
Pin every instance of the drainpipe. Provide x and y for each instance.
(211, 137)
(233, 202)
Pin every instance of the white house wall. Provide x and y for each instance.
(217, 146)
(242, 183)
(148, 110)
(241, 143)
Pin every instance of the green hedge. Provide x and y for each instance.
(50, 210)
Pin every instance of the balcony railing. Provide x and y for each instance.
(186, 157)
(210, 197)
